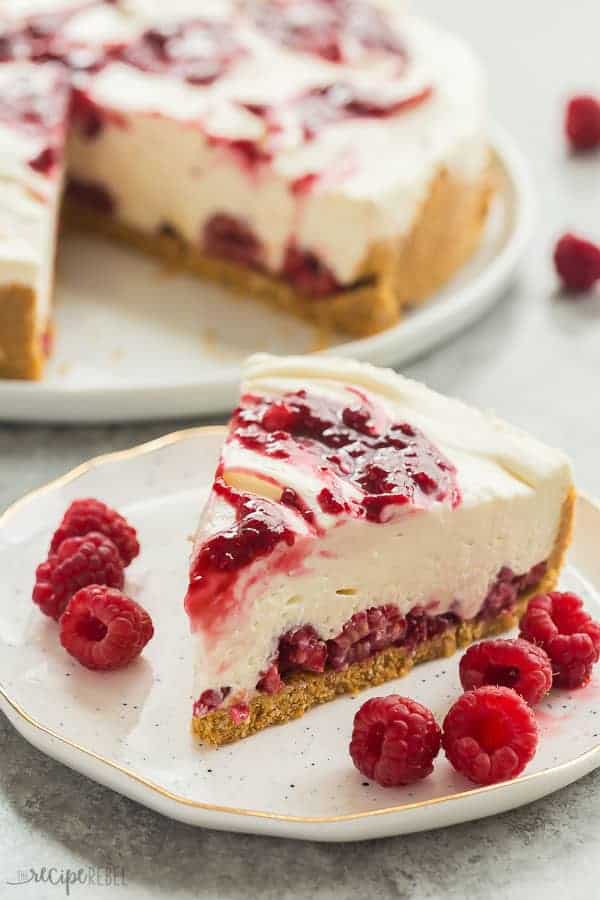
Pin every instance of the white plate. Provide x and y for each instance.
(129, 730)
(134, 342)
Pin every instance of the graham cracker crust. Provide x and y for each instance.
(304, 690)
(21, 354)
(396, 273)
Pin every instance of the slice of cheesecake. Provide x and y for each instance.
(33, 113)
(359, 523)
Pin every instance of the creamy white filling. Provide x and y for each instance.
(513, 489)
(27, 242)
(30, 199)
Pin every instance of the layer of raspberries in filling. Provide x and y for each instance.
(232, 238)
(91, 195)
(370, 631)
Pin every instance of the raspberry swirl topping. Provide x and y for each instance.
(335, 30)
(40, 119)
(367, 465)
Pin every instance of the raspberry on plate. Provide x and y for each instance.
(104, 629)
(516, 664)
(582, 122)
(490, 734)
(571, 638)
(394, 740)
(577, 262)
(79, 561)
(87, 515)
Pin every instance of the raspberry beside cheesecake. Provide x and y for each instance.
(359, 523)
(328, 156)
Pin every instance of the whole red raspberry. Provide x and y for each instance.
(87, 515)
(582, 122)
(104, 629)
(79, 561)
(577, 262)
(571, 638)
(394, 740)
(490, 734)
(515, 664)
(270, 681)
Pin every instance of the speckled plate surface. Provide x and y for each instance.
(136, 342)
(129, 730)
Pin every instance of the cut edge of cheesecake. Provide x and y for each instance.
(304, 690)
(30, 216)
(396, 275)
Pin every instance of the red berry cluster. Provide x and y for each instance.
(490, 733)
(79, 585)
(576, 259)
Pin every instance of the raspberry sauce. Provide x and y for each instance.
(370, 467)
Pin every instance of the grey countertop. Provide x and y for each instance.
(534, 359)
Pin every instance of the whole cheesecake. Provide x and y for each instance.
(328, 156)
(359, 523)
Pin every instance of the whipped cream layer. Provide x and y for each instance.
(494, 501)
(33, 113)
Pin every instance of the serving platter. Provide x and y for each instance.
(134, 341)
(129, 730)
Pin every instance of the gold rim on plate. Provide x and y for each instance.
(159, 444)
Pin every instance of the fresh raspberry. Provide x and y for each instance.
(308, 273)
(80, 561)
(577, 262)
(364, 634)
(51, 602)
(571, 638)
(270, 681)
(490, 734)
(394, 740)
(582, 122)
(87, 515)
(209, 700)
(104, 629)
(515, 664)
(302, 649)
(239, 712)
